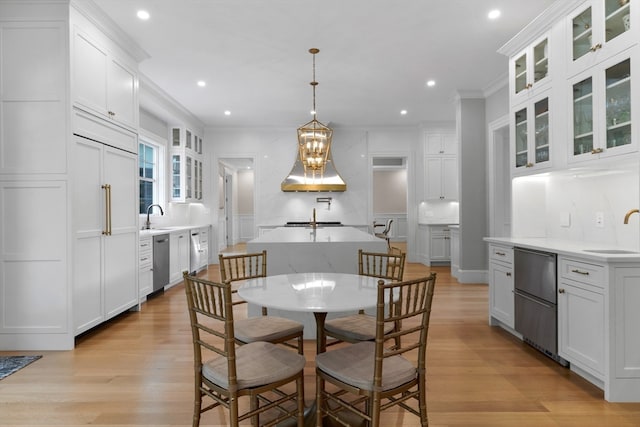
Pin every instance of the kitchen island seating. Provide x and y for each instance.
(371, 377)
(361, 326)
(277, 330)
(262, 371)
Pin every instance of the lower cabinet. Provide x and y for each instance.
(145, 254)
(439, 244)
(178, 255)
(501, 299)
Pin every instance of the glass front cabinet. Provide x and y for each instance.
(531, 135)
(186, 166)
(530, 70)
(599, 29)
(603, 104)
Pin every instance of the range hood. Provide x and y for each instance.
(299, 180)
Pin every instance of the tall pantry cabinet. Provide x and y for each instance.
(68, 251)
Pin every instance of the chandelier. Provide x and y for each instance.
(313, 169)
(314, 138)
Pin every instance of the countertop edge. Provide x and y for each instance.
(566, 248)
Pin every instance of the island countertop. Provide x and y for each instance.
(311, 235)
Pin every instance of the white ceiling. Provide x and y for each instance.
(375, 56)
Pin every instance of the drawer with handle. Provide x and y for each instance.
(581, 271)
(501, 253)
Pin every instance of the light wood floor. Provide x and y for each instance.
(137, 371)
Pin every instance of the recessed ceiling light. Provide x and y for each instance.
(403, 112)
(227, 113)
(202, 83)
(431, 83)
(143, 14)
(494, 14)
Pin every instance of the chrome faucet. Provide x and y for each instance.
(313, 222)
(631, 212)
(147, 225)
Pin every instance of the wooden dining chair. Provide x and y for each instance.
(368, 377)
(237, 268)
(260, 370)
(361, 326)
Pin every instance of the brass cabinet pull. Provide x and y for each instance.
(584, 273)
(561, 291)
(597, 151)
(596, 47)
(508, 274)
(107, 209)
(528, 165)
(500, 253)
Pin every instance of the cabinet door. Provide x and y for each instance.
(439, 247)
(501, 299)
(529, 70)
(184, 251)
(531, 133)
(581, 326)
(121, 246)
(450, 178)
(88, 224)
(90, 74)
(122, 101)
(434, 178)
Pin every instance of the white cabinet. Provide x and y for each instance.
(179, 251)
(145, 255)
(598, 30)
(186, 165)
(501, 299)
(442, 178)
(529, 70)
(103, 82)
(439, 244)
(604, 103)
(441, 165)
(440, 143)
(581, 315)
(106, 232)
(531, 135)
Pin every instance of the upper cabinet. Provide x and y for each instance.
(604, 103)
(599, 30)
(529, 70)
(531, 135)
(104, 81)
(186, 165)
(441, 165)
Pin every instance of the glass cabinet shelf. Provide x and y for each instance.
(582, 34)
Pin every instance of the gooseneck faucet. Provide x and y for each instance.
(147, 225)
(313, 221)
(631, 212)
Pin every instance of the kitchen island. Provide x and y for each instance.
(320, 249)
(309, 250)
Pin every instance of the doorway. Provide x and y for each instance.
(389, 194)
(499, 178)
(236, 201)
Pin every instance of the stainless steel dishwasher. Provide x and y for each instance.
(160, 261)
(536, 315)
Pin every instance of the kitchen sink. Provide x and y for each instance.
(610, 251)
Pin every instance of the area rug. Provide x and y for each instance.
(11, 364)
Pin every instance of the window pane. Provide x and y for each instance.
(146, 195)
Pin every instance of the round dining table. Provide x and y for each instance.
(317, 293)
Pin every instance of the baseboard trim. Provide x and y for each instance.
(472, 276)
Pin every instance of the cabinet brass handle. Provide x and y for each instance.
(561, 291)
(144, 259)
(584, 273)
(529, 86)
(596, 47)
(501, 253)
(528, 165)
(107, 209)
(597, 151)
(509, 274)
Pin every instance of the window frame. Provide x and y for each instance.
(159, 157)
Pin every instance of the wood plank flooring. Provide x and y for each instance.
(137, 371)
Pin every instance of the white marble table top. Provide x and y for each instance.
(312, 292)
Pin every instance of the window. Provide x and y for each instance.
(149, 171)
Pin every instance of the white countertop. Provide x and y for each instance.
(168, 229)
(568, 248)
(320, 234)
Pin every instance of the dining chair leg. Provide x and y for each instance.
(300, 386)
(319, 402)
(197, 406)
(300, 345)
(422, 403)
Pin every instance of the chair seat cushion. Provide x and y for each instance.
(257, 364)
(357, 327)
(354, 365)
(265, 328)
